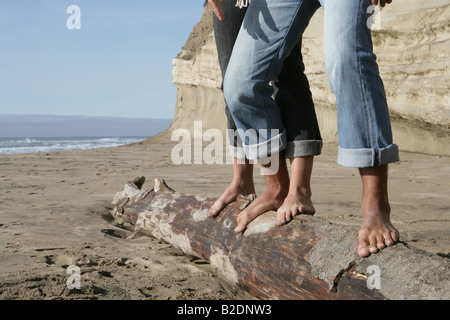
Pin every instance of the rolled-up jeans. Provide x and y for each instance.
(293, 95)
(270, 31)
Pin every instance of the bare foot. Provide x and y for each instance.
(230, 195)
(277, 188)
(271, 199)
(298, 200)
(377, 231)
(293, 205)
(242, 184)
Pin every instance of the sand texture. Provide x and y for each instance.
(55, 207)
(55, 212)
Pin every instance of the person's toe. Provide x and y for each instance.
(215, 209)
(388, 239)
(281, 217)
(395, 235)
(242, 222)
(373, 245)
(380, 242)
(363, 252)
(363, 247)
(289, 216)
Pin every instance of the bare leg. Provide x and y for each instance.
(298, 200)
(277, 186)
(376, 231)
(242, 183)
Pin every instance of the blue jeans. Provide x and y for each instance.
(270, 30)
(293, 93)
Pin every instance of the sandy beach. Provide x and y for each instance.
(55, 213)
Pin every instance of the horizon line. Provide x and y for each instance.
(80, 116)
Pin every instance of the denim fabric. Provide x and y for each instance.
(302, 135)
(269, 33)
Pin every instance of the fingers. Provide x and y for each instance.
(381, 2)
(217, 8)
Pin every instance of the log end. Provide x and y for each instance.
(138, 182)
(161, 186)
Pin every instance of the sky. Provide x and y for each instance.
(117, 64)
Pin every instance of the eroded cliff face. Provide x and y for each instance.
(411, 41)
(412, 44)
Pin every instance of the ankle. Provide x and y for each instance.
(376, 205)
(242, 184)
(300, 191)
(277, 190)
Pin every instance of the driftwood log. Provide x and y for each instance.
(305, 259)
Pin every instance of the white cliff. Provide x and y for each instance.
(411, 41)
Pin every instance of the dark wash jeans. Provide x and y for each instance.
(293, 95)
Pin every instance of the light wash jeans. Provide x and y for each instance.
(293, 95)
(270, 30)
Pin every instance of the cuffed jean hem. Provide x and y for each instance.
(303, 148)
(364, 158)
(294, 149)
(266, 148)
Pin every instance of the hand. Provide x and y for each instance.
(382, 2)
(217, 8)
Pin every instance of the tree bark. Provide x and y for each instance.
(305, 259)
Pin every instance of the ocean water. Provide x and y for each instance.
(28, 145)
